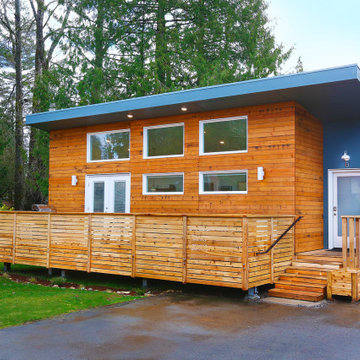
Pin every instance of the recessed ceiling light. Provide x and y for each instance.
(222, 142)
(184, 108)
(130, 116)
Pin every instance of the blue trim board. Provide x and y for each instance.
(301, 87)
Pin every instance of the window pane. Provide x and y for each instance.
(99, 188)
(109, 146)
(348, 197)
(224, 182)
(164, 183)
(119, 193)
(165, 141)
(225, 136)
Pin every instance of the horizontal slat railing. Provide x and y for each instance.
(351, 241)
(206, 249)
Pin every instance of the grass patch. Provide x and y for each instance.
(20, 303)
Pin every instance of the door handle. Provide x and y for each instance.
(334, 210)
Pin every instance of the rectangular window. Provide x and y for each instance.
(220, 182)
(108, 145)
(164, 141)
(163, 184)
(223, 135)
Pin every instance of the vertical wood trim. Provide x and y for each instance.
(344, 241)
(293, 230)
(351, 262)
(14, 239)
(245, 278)
(272, 251)
(133, 247)
(329, 285)
(184, 275)
(89, 240)
(357, 229)
(354, 286)
(49, 242)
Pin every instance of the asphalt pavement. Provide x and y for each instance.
(191, 327)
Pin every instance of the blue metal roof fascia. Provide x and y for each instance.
(343, 73)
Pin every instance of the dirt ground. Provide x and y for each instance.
(191, 327)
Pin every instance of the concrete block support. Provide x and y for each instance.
(253, 293)
(63, 274)
(144, 284)
(7, 267)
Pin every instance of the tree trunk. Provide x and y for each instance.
(19, 167)
(37, 168)
(160, 47)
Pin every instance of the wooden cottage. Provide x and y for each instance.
(193, 185)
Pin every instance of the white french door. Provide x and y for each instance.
(344, 199)
(107, 193)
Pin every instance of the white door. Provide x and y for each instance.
(107, 193)
(344, 199)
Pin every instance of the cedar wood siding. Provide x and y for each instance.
(271, 144)
(309, 182)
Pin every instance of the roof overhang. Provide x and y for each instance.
(330, 95)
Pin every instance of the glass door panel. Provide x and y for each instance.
(99, 196)
(119, 196)
(344, 199)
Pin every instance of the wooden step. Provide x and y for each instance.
(322, 274)
(317, 288)
(323, 266)
(303, 278)
(297, 295)
(310, 258)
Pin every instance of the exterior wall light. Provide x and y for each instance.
(346, 158)
(74, 180)
(184, 108)
(130, 116)
(260, 173)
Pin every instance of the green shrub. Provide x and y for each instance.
(4, 207)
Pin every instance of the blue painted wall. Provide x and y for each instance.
(338, 137)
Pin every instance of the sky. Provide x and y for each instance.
(325, 33)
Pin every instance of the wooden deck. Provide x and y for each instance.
(214, 250)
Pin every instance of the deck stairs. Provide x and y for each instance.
(306, 278)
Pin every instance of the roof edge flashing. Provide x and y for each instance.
(275, 83)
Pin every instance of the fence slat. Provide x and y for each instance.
(14, 240)
(89, 241)
(245, 257)
(133, 247)
(184, 249)
(49, 242)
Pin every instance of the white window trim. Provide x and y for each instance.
(145, 176)
(201, 135)
(88, 150)
(201, 182)
(145, 140)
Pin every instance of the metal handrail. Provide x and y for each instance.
(280, 237)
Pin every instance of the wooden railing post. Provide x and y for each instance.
(245, 262)
(14, 240)
(351, 262)
(49, 242)
(272, 251)
(89, 240)
(357, 230)
(184, 249)
(133, 247)
(344, 240)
